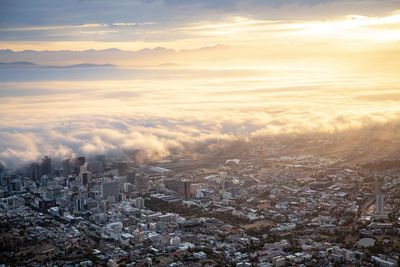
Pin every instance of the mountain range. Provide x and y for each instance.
(26, 64)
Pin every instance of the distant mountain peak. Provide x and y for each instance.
(30, 64)
(88, 65)
(18, 64)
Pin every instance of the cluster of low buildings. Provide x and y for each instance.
(252, 211)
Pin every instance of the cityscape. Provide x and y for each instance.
(263, 208)
(200, 133)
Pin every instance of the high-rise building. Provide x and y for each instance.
(6, 182)
(44, 180)
(83, 168)
(380, 200)
(380, 204)
(184, 189)
(141, 182)
(35, 171)
(81, 160)
(67, 168)
(85, 178)
(96, 167)
(122, 168)
(139, 203)
(171, 184)
(131, 177)
(128, 187)
(110, 189)
(46, 166)
(79, 204)
(16, 185)
(78, 163)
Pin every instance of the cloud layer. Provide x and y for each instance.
(166, 112)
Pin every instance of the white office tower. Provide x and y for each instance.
(380, 203)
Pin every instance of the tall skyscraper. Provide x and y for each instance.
(35, 171)
(380, 204)
(110, 189)
(46, 166)
(44, 180)
(122, 168)
(380, 200)
(67, 168)
(79, 204)
(184, 189)
(78, 163)
(85, 178)
(139, 203)
(6, 182)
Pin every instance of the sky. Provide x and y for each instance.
(189, 24)
(184, 72)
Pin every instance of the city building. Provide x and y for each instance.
(122, 168)
(46, 166)
(67, 167)
(139, 203)
(96, 167)
(380, 204)
(184, 189)
(131, 177)
(141, 182)
(35, 171)
(80, 161)
(85, 177)
(110, 189)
